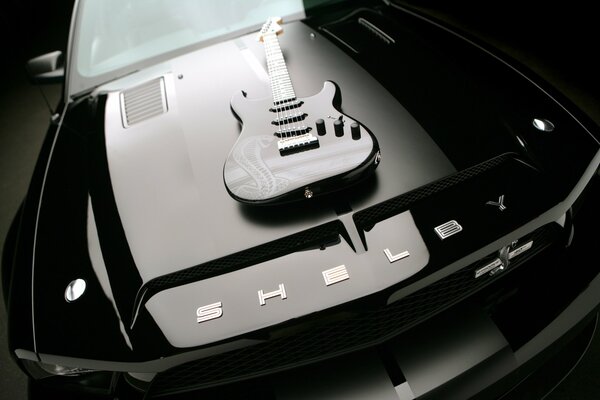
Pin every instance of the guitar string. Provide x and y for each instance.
(275, 80)
(284, 88)
(292, 104)
(288, 120)
(278, 89)
(269, 52)
(276, 51)
(295, 113)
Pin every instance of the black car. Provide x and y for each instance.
(370, 205)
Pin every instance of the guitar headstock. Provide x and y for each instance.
(273, 25)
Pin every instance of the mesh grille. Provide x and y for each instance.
(320, 235)
(143, 102)
(330, 339)
(370, 216)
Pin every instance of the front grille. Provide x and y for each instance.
(333, 338)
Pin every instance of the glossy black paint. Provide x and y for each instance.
(474, 107)
(482, 223)
(19, 303)
(78, 172)
(63, 256)
(471, 104)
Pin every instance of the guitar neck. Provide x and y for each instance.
(281, 84)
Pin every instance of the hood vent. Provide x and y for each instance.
(380, 34)
(364, 32)
(143, 102)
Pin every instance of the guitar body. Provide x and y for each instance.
(296, 150)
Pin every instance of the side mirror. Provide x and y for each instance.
(47, 68)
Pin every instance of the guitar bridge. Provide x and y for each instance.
(289, 132)
(296, 144)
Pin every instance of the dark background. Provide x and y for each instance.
(557, 41)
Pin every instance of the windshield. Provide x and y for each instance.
(111, 35)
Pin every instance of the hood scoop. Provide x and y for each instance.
(143, 102)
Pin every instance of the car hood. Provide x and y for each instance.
(136, 197)
(167, 171)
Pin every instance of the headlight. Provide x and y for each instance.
(39, 370)
(63, 370)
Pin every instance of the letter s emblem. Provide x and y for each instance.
(211, 311)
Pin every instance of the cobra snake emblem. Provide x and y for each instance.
(263, 184)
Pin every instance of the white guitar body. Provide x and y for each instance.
(291, 149)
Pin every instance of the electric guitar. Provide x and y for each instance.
(294, 148)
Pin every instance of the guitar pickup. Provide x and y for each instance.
(295, 144)
(283, 107)
(289, 119)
